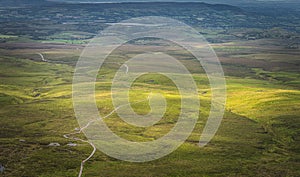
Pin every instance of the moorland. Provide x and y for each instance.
(259, 52)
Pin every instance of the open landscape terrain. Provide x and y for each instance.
(40, 44)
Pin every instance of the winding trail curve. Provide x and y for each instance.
(42, 57)
(71, 135)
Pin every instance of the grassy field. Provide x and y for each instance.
(259, 135)
(257, 44)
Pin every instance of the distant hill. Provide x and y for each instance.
(26, 3)
(206, 1)
(239, 3)
(22, 3)
(43, 20)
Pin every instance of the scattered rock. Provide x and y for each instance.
(54, 144)
(21, 140)
(2, 168)
(72, 144)
(37, 95)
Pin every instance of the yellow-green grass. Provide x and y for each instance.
(258, 136)
(7, 36)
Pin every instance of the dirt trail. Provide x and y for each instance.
(70, 135)
(41, 55)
